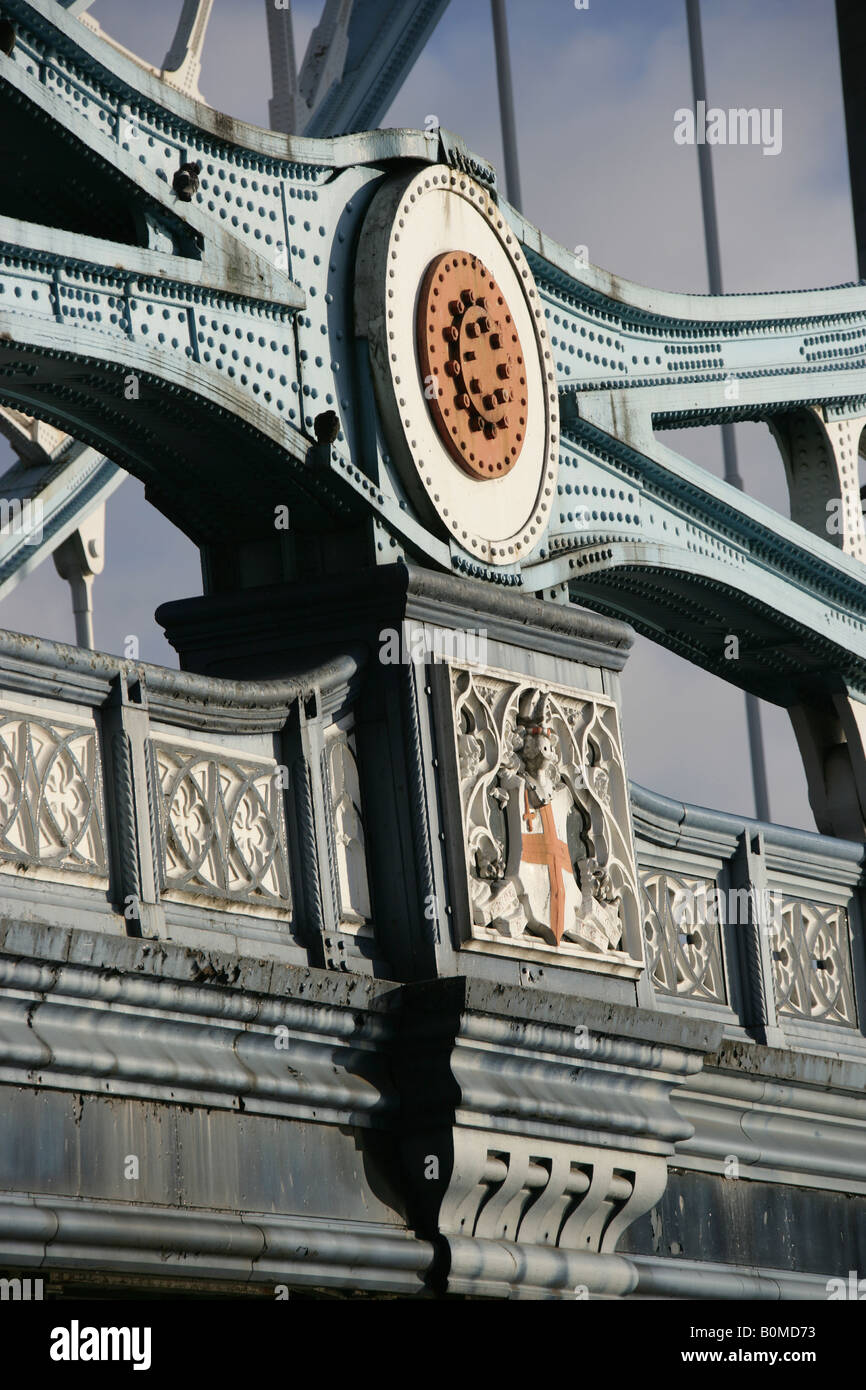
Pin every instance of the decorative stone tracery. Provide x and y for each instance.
(222, 827)
(812, 963)
(51, 796)
(682, 933)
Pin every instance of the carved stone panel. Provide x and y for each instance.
(549, 858)
(346, 830)
(682, 933)
(51, 799)
(222, 827)
(531, 1192)
(812, 963)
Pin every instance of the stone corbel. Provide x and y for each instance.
(536, 1132)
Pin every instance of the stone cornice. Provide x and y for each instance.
(258, 1247)
(662, 820)
(53, 669)
(220, 1030)
(302, 612)
(499, 1057)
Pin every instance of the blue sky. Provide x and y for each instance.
(595, 93)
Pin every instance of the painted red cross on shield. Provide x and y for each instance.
(549, 850)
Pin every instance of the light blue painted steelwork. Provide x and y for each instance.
(382, 40)
(51, 493)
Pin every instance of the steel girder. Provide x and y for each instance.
(358, 58)
(375, 45)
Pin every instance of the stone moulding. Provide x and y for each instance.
(553, 1122)
(38, 666)
(761, 1108)
(268, 1085)
(257, 1248)
(68, 996)
(198, 627)
(555, 1148)
(689, 1279)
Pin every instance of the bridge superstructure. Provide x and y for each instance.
(248, 322)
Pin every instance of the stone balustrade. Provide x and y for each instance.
(226, 815)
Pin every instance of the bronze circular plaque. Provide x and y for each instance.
(472, 364)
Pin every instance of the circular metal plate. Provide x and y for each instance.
(412, 230)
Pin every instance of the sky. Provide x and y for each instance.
(595, 94)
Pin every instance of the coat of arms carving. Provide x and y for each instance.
(544, 801)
